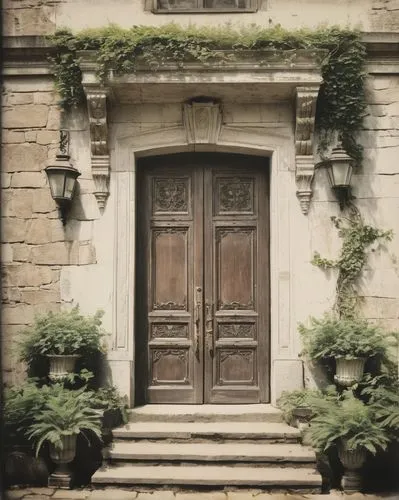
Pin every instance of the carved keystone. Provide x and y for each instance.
(202, 121)
(100, 161)
(304, 132)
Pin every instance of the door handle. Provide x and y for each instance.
(197, 320)
(209, 327)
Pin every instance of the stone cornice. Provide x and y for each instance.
(27, 55)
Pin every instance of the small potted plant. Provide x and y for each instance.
(352, 427)
(350, 341)
(63, 337)
(20, 405)
(111, 406)
(65, 414)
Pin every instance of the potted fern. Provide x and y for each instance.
(63, 337)
(353, 428)
(350, 341)
(64, 416)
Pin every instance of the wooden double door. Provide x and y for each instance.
(202, 287)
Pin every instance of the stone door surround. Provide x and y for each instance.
(204, 129)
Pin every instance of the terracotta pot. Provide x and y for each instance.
(61, 477)
(349, 371)
(61, 365)
(353, 461)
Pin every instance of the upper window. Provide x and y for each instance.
(175, 6)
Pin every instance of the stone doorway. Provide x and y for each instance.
(202, 279)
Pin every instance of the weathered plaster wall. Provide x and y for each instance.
(376, 187)
(38, 17)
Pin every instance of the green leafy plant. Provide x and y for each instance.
(383, 393)
(341, 105)
(311, 399)
(64, 413)
(350, 421)
(357, 238)
(333, 337)
(65, 332)
(108, 398)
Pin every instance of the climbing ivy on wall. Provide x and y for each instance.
(341, 103)
(357, 237)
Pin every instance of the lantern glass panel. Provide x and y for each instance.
(342, 173)
(57, 180)
(69, 186)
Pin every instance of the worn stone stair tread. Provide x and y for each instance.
(207, 475)
(187, 413)
(187, 430)
(240, 452)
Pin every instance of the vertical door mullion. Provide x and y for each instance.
(198, 226)
(209, 273)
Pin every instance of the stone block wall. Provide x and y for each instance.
(35, 244)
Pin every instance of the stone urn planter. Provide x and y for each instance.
(349, 371)
(353, 461)
(301, 419)
(62, 476)
(61, 365)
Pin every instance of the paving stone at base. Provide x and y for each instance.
(276, 496)
(15, 494)
(209, 495)
(42, 491)
(240, 495)
(113, 494)
(156, 495)
(36, 497)
(71, 494)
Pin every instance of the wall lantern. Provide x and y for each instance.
(62, 177)
(339, 170)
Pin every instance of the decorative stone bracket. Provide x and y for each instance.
(306, 98)
(100, 160)
(202, 121)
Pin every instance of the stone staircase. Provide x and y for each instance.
(209, 446)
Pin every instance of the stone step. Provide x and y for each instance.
(238, 452)
(212, 475)
(208, 431)
(206, 413)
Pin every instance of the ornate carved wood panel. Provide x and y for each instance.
(237, 282)
(203, 260)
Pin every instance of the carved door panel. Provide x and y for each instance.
(202, 324)
(236, 282)
(170, 265)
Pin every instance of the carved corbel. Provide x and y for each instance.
(306, 98)
(202, 121)
(100, 161)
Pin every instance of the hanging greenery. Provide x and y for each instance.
(357, 238)
(341, 104)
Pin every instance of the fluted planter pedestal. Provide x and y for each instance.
(353, 461)
(62, 476)
(349, 371)
(61, 365)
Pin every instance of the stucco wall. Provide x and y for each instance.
(35, 17)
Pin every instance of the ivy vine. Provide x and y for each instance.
(357, 238)
(341, 104)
